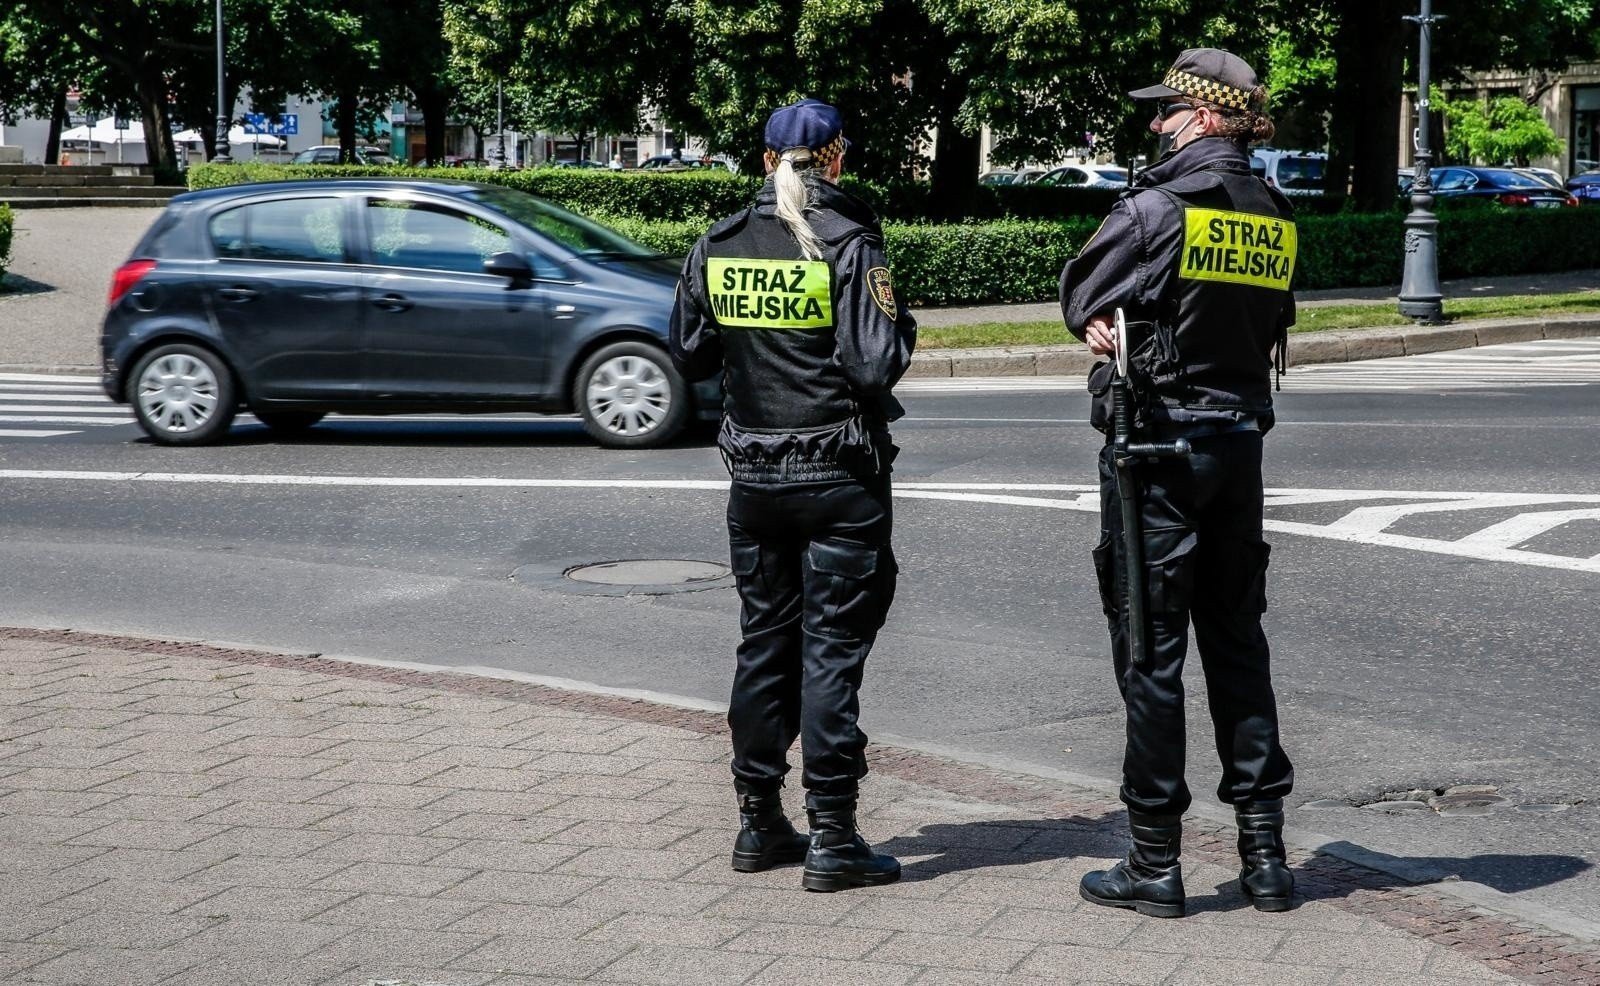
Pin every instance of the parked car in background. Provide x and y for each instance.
(1291, 172)
(1086, 176)
(1586, 186)
(689, 161)
(329, 154)
(1506, 186)
(295, 300)
(1013, 176)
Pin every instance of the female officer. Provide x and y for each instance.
(791, 301)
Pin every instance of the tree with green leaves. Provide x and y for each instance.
(1504, 130)
(36, 70)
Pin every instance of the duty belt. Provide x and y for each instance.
(1204, 429)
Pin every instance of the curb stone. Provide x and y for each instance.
(1332, 346)
(1531, 953)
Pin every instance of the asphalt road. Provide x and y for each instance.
(1413, 648)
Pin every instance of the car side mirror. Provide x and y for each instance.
(512, 266)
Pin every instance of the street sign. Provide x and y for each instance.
(119, 122)
(287, 125)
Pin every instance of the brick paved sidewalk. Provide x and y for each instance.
(183, 814)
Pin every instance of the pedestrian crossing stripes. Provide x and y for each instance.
(55, 406)
(1544, 363)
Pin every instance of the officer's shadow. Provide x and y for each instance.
(1003, 845)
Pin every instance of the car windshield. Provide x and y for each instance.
(586, 238)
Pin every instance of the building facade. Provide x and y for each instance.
(1570, 103)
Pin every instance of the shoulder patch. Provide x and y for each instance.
(882, 291)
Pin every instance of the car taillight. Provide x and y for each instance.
(126, 277)
(1571, 200)
(1513, 198)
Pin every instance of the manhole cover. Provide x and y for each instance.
(624, 577)
(663, 571)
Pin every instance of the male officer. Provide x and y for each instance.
(791, 301)
(1199, 255)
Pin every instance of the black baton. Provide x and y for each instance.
(1127, 453)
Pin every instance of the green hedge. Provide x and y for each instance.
(7, 222)
(1016, 259)
(685, 195)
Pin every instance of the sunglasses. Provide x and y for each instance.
(1166, 110)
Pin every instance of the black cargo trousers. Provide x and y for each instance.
(816, 578)
(1205, 561)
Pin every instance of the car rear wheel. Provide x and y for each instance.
(182, 394)
(630, 396)
(289, 422)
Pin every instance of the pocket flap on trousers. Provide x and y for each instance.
(851, 561)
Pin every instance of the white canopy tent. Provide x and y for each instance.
(194, 142)
(114, 146)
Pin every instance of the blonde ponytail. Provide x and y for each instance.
(793, 200)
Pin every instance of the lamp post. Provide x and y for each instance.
(221, 145)
(1420, 296)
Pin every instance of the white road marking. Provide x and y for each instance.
(20, 433)
(87, 397)
(107, 408)
(1525, 527)
(1366, 529)
(1546, 363)
(62, 419)
(46, 378)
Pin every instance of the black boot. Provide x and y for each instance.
(839, 858)
(1263, 875)
(766, 836)
(1150, 880)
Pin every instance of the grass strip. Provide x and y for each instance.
(1363, 315)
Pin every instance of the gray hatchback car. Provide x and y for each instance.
(295, 300)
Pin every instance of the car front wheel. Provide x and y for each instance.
(182, 394)
(630, 396)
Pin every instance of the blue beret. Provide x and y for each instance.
(809, 123)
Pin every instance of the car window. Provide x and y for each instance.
(1513, 179)
(406, 233)
(1115, 174)
(1258, 167)
(580, 235)
(308, 230)
(1301, 172)
(1073, 176)
(1451, 179)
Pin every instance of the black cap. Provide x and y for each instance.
(1208, 74)
(810, 123)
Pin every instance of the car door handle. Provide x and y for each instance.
(238, 294)
(393, 303)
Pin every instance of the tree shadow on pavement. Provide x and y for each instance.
(998, 843)
(14, 284)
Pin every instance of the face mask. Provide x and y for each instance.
(1165, 141)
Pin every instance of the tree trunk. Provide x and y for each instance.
(956, 156)
(1364, 134)
(158, 147)
(345, 123)
(58, 119)
(434, 105)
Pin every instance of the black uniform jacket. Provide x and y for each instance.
(1199, 254)
(809, 350)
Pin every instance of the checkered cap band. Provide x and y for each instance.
(1209, 90)
(823, 156)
